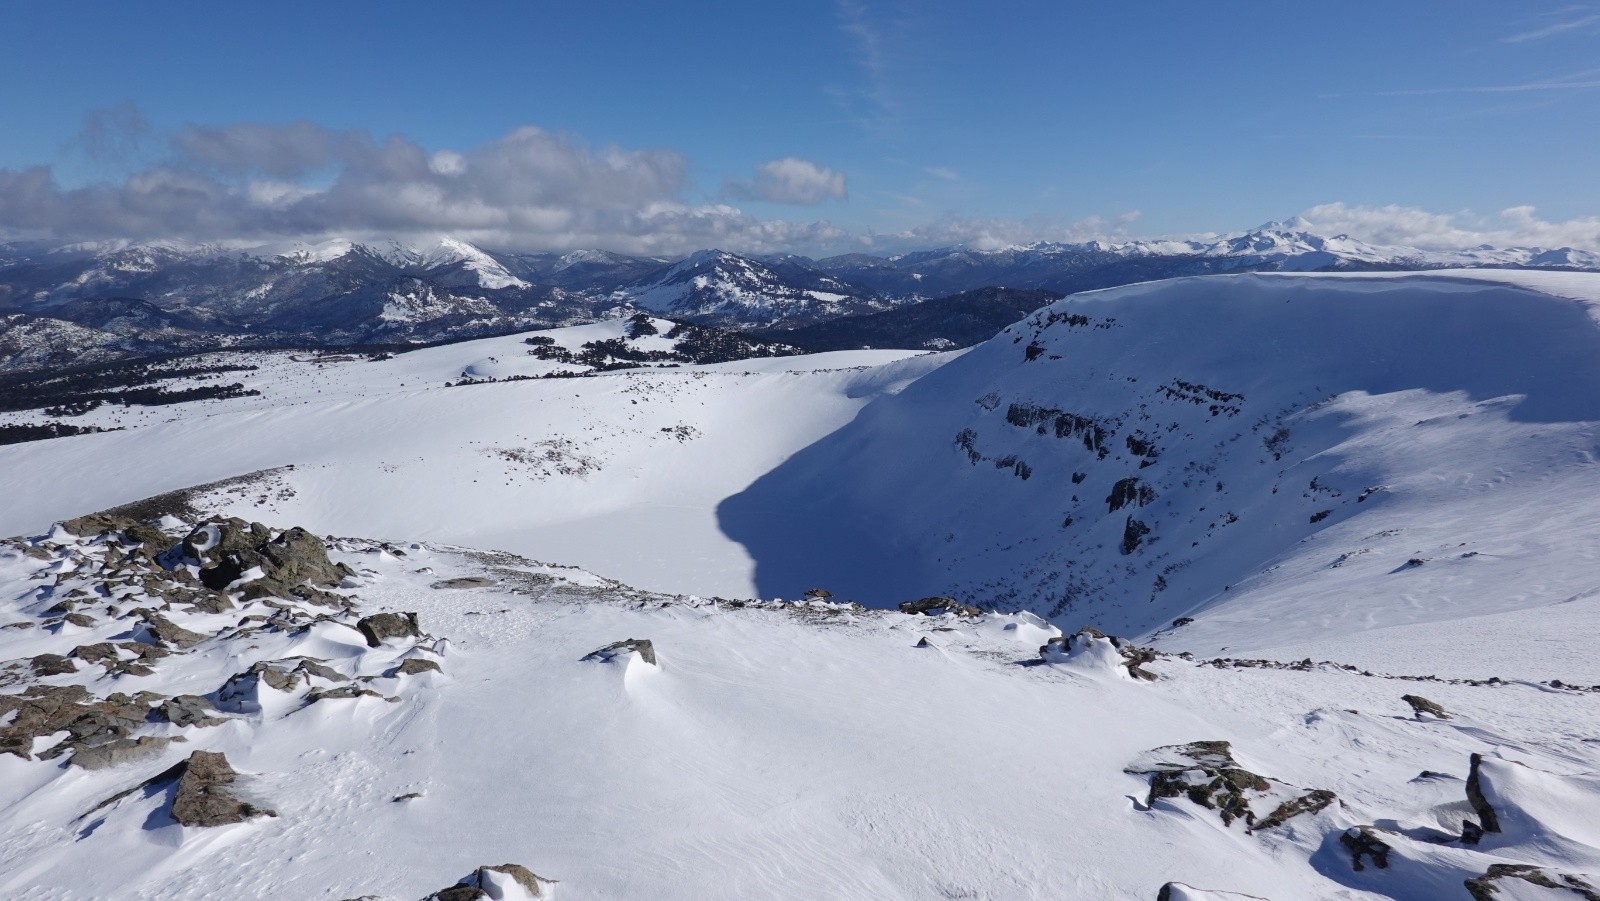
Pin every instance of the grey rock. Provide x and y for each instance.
(1421, 705)
(120, 751)
(380, 626)
(52, 665)
(640, 646)
(939, 606)
(466, 582)
(191, 710)
(205, 794)
(414, 666)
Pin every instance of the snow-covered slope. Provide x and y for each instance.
(592, 470)
(1368, 500)
(808, 749)
(1283, 459)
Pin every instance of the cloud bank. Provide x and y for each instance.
(535, 190)
(790, 180)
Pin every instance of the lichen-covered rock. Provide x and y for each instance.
(640, 646)
(379, 627)
(205, 795)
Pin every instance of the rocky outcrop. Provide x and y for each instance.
(1365, 847)
(205, 795)
(1421, 706)
(640, 646)
(120, 751)
(1206, 774)
(505, 882)
(1090, 643)
(939, 606)
(190, 710)
(1500, 876)
(380, 627)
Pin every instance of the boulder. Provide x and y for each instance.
(414, 666)
(52, 665)
(190, 710)
(505, 882)
(640, 646)
(167, 632)
(120, 751)
(1421, 706)
(382, 626)
(205, 794)
(1206, 774)
(1093, 647)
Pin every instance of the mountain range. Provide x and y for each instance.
(95, 302)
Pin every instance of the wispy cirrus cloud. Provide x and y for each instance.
(1587, 22)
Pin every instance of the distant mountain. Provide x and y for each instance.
(126, 298)
(724, 288)
(960, 320)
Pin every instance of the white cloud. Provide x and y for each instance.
(1516, 226)
(790, 180)
(942, 172)
(1580, 23)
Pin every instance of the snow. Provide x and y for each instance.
(1446, 423)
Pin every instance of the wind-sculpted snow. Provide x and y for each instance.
(446, 717)
(1281, 460)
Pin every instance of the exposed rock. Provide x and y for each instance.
(82, 620)
(923, 642)
(939, 606)
(640, 646)
(297, 556)
(52, 665)
(205, 793)
(1206, 773)
(1487, 820)
(1485, 887)
(1062, 648)
(120, 751)
(818, 594)
(1363, 842)
(509, 881)
(190, 710)
(1421, 705)
(466, 582)
(168, 632)
(343, 692)
(95, 653)
(1178, 891)
(380, 626)
(414, 666)
(408, 796)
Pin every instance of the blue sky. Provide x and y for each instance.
(900, 121)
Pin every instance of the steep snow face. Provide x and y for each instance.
(1284, 459)
(471, 265)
